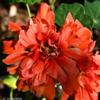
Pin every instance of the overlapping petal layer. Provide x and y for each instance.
(43, 57)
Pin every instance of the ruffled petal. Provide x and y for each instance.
(31, 33)
(14, 26)
(24, 40)
(7, 47)
(16, 56)
(12, 69)
(47, 89)
(55, 71)
(39, 75)
(69, 66)
(63, 39)
(22, 85)
(45, 13)
(69, 18)
(26, 67)
(84, 94)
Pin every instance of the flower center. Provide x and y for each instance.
(49, 50)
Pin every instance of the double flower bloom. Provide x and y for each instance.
(43, 57)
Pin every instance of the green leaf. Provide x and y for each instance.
(93, 10)
(25, 1)
(63, 10)
(10, 81)
(77, 11)
(86, 21)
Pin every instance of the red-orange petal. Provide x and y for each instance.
(14, 26)
(16, 56)
(12, 69)
(45, 13)
(7, 47)
(69, 18)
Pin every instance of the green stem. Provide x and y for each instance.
(52, 2)
(11, 94)
(28, 10)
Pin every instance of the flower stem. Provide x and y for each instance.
(52, 2)
(28, 10)
(11, 94)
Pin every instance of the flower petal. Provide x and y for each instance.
(55, 71)
(14, 26)
(31, 33)
(21, 85)
(83, 94)
(69, 18)
(12, 69)
(24, 40)
(45, 13)
(69, 66)
(15, 56)
(7, 47)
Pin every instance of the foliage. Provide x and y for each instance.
(25, 1)
(76, 9)
(93, 10)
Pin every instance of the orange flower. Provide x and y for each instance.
(89, 84)
(35, 55)
(43, 57)
(79, 46)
